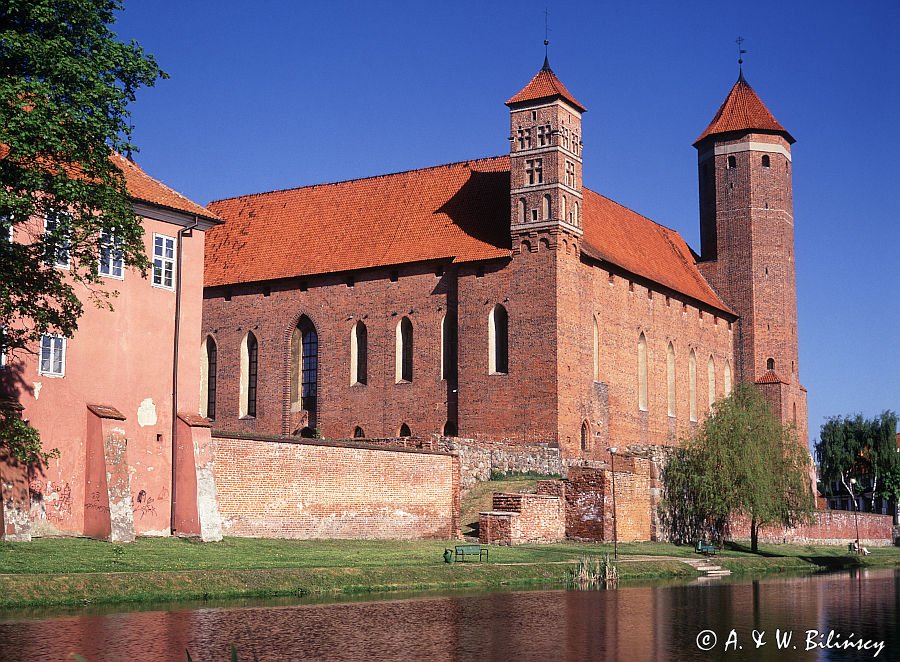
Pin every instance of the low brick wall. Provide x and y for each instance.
(300, 488)
(831, 527)
(589, 502)
(517, 519)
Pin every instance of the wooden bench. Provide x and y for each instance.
(703, 548)
(462, 551)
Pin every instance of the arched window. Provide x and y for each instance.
(305, 368)
(732, 162)
(359, 433)
(795, 413)
(711, 380)
(765, 161)
(450, 429)
(249, 369)
(692, 384)
(359, 354)
(498, 341)
(727, 378)
(208, 373)
(405, 431)
(577, 212)
(770, 363)
(585, 433)
(596, 347)
(522, 218)
(403, 367)
(545, 210)
(670, 379)
(525, 247)
(562, 208)
(642, 372)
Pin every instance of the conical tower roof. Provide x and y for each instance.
(742, 111)
(545, 85)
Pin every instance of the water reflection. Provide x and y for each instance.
(631, 623)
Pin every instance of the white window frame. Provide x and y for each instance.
(159, 270)
(4, 361)
(68, 248)
(62, 356)
(109, 241)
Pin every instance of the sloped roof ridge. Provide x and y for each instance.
(646, 218)
(354, 180)
(743, 110)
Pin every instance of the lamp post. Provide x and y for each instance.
(855, 513)
(612, 459)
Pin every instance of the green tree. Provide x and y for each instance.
(65, 85)
(741, 462)
(859, 449)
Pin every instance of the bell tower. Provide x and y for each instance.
(747, 243)
(545, 158)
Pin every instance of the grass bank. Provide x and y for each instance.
(76, 571)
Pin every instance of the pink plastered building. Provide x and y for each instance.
(120, 398)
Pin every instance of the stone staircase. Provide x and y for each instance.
(709, 569)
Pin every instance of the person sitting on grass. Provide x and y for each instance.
(860, 550)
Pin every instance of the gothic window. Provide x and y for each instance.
(727, 378)
(544, 135)
(522, 218)
(596, 348)
(692, 384)
(304, 368)
(498, 341)
(534, 171)
(585, 433)
(249, 371)
(403, 362)
(570, 174)
(208, 373)
(770, 364)
(562, 209)
(732, 163)
(670, 378)
(546, 207)
(359, 354)
(446, 347)
(765, 161)
(711, 380)
(405, 431)
(577, 212)
(642, 372)
(359, 433)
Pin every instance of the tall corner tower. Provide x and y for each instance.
(747, 243)
(545, 158)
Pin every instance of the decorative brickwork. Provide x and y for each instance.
(312, 489)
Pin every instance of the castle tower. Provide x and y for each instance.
(747, 243)
(545, 158)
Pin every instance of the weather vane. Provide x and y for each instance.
(739, 41)
(546, 38)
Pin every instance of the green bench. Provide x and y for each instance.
(703, 548)
(462, 551)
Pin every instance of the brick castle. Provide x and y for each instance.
(499, 299)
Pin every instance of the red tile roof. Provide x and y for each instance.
(457, 212)
(771, 377)
(618, 235)
(743, 110)
(143, 187)
(545, 85)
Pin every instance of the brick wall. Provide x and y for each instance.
(831, 527)
(518, 519)
(589, 502)
(310, 489)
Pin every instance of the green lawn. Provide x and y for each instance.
(76, 571)
(478, 499)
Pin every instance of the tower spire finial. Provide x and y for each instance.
(546, 66)
(739, 41)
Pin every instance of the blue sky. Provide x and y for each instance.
(270, 95)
